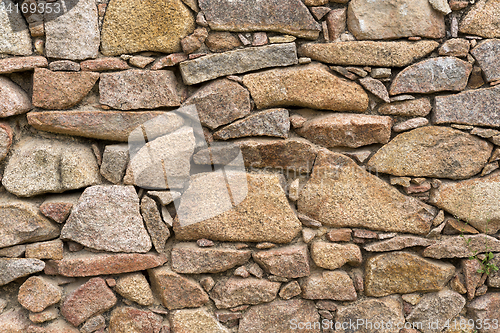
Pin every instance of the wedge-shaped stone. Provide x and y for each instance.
(14, 34)
(11, 269)
(368, 53)
(262, 212)
(196, 320)
(341, 194)
(311, 86)
(21, 64)
(145, 26)
(239, 61)
(13, 99)
(433, 151)
(403, 273)
(347, 130)
(335, 285)
(432, 75)
(107, 218)
(190, 259)
(40, 166)
(462, 247)
(102, 125)
(483, 19)
(289, 262)
(285, 16)
(487, 55)
(398, 243)
(157, 229)
(474, 107)
(332, 256)
(237, 291)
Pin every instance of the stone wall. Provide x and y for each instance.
(249, 166)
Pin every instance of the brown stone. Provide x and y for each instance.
(135, 288)
(157, 229)
(49, 314)
(339, 235)
(132, 320)
(410, 124)
(290, 262)
(336, 22)
(168, 61)
(57, 209)
(470, 268)
(347, 130)
(311, 86)
(290, 290)
(456, 227)
(37, 293)
(61, 90)
(334, 285)
(45, 250)
(402, 272)
(462, 247)
(13, 99)
(485, 307)
(237, 291)
(104, 64)
(21, 64)
(487, 56)
(398, 243)
(482, 19)
(141, 61)
(376, 87)
(458, 4)
(412, 108)
(222, 41)
(455, 47)
(333, 256)
(194, 41)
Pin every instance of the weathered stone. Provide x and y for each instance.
(290, 262)
(81, 264)
(333, 256)
(13, 99)
(273, 122)
(368, 19)
(455, 47)
(487, 55)
(279, 317)
(57, 326)
(21, 64)
(93, 324)
(398, 243)
(11, 269)
(486, 307)
(187, 258)
(387, 309)
(14, 321)
(311, 86)
(90, 299)
(472, 277)
(462, 247)
(165, 197)
(334, 285)
(337, 181)
(61, 90)
(157, 229)
(114, 162)
(154, 27)
(432, 75)
(64, 66)
(222, 41)
(220, 102)
(410, 124)
(290, 290)
(137, 89)
(58, 207)
(74, 35)
(339, 235)
(16, 251)
(402, 272)
(474, 201)
(463, 108)
(176, 291)
(441, 6)
(216, 65)
(482, 19)
(456, 227)
(336, 22)
(368, 53)
(237, 291)
(37, 293)
(197, 320)
(107, 218)
(14, 34)
(288, 17)
(347, 130)
(220, 220)
(49, 314)
(412, 108)
(132, 320)
(135, 288)
(45, 250)
(425, 152)
(140, 61)
(104, 64)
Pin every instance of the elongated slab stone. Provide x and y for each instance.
(398, 243)
(479, 107)
(487, 54)
(341, 194)
(11, 269)
(102, 125)
(285, 16)
(21, 64)
(368, 53)
(311, 86)
(427, 152)
(462, 247)
(336, 285)
(239, 61)
(14, 34)
(483, 19)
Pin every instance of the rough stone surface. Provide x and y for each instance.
(288, 17)
(165, 197)
(432, 151)
(333, 256)
(153, 27)
(11, 269)
(311, 86)
(137, 89)
(487, 54)
(222, 41)
(457, 247)
(193, 321)
(74, 35)
(61, 90)
(15, 321)
(376, 87)
(189, 259)
(14, 34)
(432, 75)
(37, 293)
(158, 230)
(456, 47)
(238, 61)
(21, 64)
(92, 221)
(13, 99)
(290, 290)
(367, 53)
(485, 307)
(413, 108)
(483, 19)
(334, 285)
(132, 320)
(58, 207)
(368, 19)
(402, 272)
(45, 250)
(398, 243)
(289, 262)
(64, 65)
(104, 64)
(347, 130)
(336, 22)
(410, 124)
(237, 291)
(135, 288)
(338, 182)
(115, 159)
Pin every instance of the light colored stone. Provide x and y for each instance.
(135, 288)
(14, 321)
(410, 124)
(462, 247)
(376, 87)
(165, 197)
(132, 320)
(193, 321)
(37, 293)
(45, 250)
(21, 64)
(13, 99)
(11, 269)
(237, 291)
(398, 243)
(289, 262)
(482, 19)
(157, 229)
(485, 307)
(333, 285)
(14, 34)
(333, 256)
(441, 6)
(114, 162)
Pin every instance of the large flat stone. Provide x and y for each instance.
(462, 247)
(260, 213)
(145, 26)
(13, 99)
(482, 20)
(333, 285)
(393, 19)
(487, 54)
(289, 262)
(368, 53)
(403, 273)
(285, 16)
(398, 243)
(432, 151)
(14, 34)
(310, 86)
(239, 61)
(237, 291)
(21, 64)
(474, 107)
(11, 269)
(341, 194)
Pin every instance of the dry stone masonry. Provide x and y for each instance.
(223, 166)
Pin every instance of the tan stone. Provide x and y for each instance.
(289, 262)
(13, 99)
(132, 320)
(46, 250)
(135, 288)
(237, 291)
(483, 19)
(222, 41)
(194, 321)
(333, 256)
(334, 285)
(462, 247)
(37, 293)
(21, 64)
(412, 108)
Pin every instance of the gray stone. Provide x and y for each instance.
(410, 124)
(462, 247)
(64, 65)
(196, 320)
(165, 197)
(485, 307)
(398, 243)
(239, 61)
(14, 34)
(237, 291)
(40, 166)
(409, 108)
(114, 162)
(482, 19)
(487, 54)
(288, 17)
(13, 99)
(334, 285)
(441, 6)
(11, 269)
(157, 229)
(289, 262)
(107, 218)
